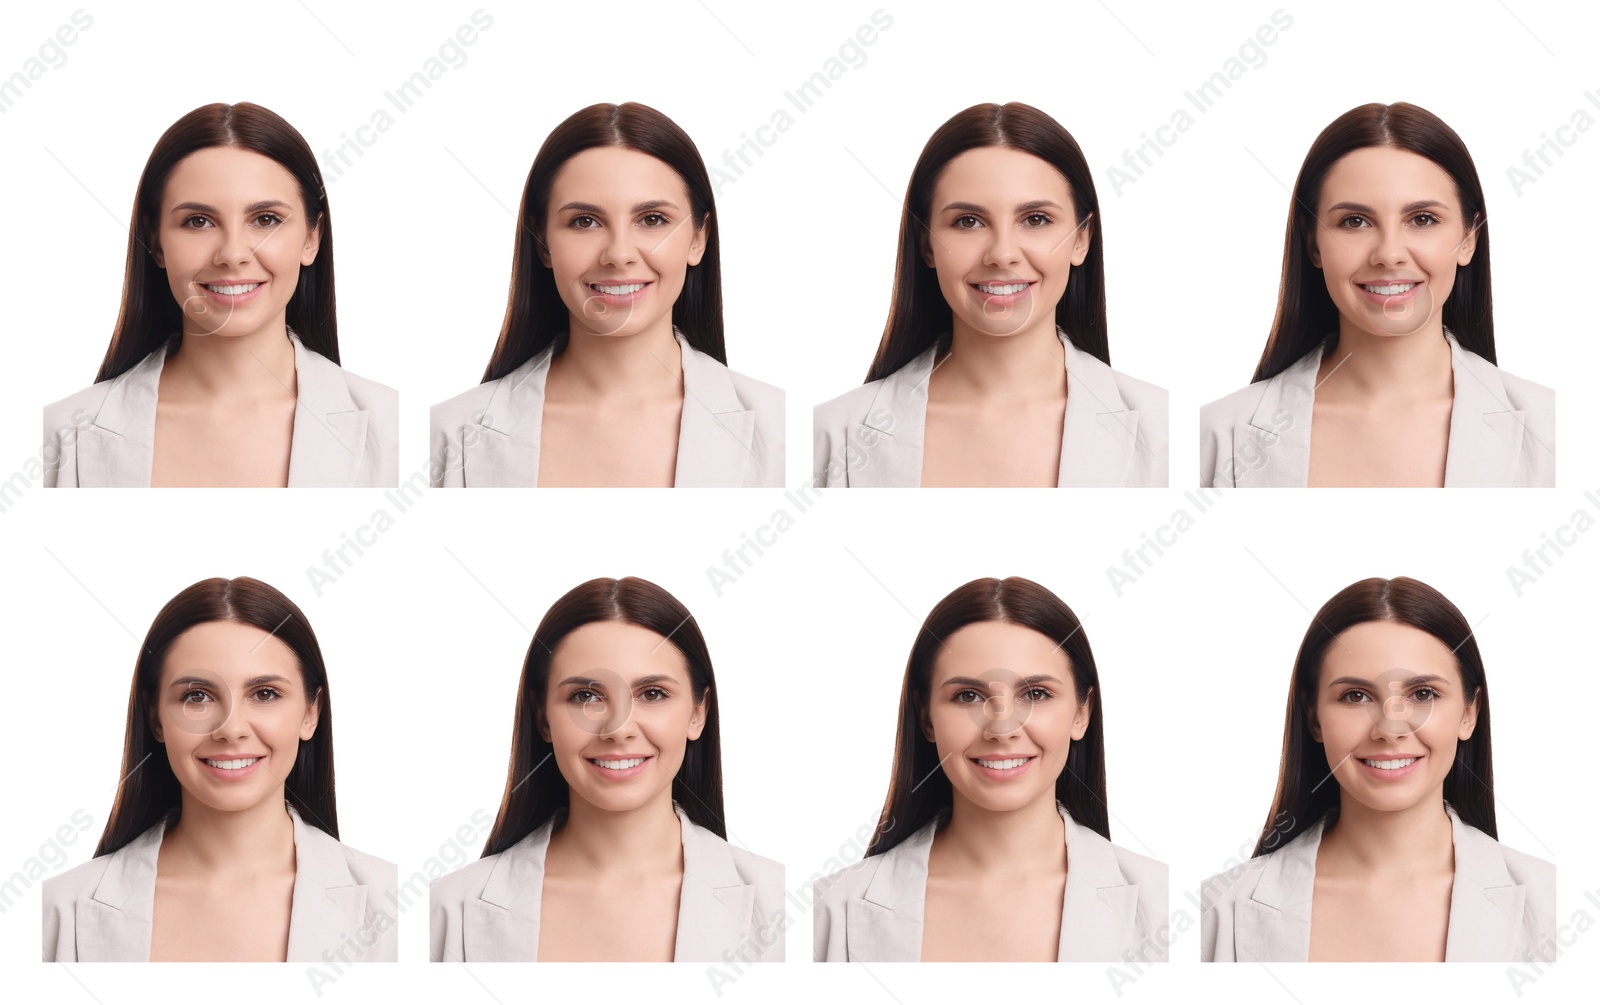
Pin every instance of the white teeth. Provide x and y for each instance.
(1002, 289)
(243, 762)
(232, 291)
(618, 290)
(631, 762)
(1388, 291)
(1010, 762)
(1398, 762)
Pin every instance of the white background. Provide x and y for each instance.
(425, 634)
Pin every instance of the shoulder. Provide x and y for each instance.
(756, 394)
(764, 872)
(1140, 870)
(1529, 869)
(848, 409)
(87, 402)
(370, 394)
(456, 411)
(833, 891)
(1232, 409)
(76, 883)
(369, 869)
(454, 889)
(1525, 394)
(1221, 891)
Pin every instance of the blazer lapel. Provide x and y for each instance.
(1288, 397)
(330, 432)
(1485, 903)
(888, 442)
(884, 925)
(1099, 433)
(714, 905)
(716, 431)
(1486, 433)
(118, 448)
(1273, 923)
(114, 924)
(329, 906)
(1097, 909)
(502, 923)
(505, 450)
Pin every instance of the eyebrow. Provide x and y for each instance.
(1038, 678)
(589, 207)
(257, 681)
(254, 207)
(585, 681)
(972, 207)
(1419, 679)
(1410, 207)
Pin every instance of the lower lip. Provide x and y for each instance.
(1388, 299)
(1002, 774)
(616, 299)
(1003, 299)
(233, 774)
(1388, 774)
(232, 299)
(620, 774)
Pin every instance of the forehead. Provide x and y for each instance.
(229, 651)
(986, 646)
(616, 176)
(230, 177)
(1378, 647)
(1387, 177)
(999, 177)
(627, 650)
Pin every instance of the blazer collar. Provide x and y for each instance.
(714, 906)
(328, 903)
(1486, 433)
(1273, 924)
(715, 435)
(329, 438)
(1099, 433)
(1097, 907)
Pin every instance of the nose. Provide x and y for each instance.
(620, 247)
(1390, 247)
(235, 723)
(1003, 249)
(998, 718)
(233, 247)
(618, 723)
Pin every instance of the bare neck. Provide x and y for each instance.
(236, 367)
(646, 840)
(646, 365)
(206, 840)
(1367, 842)
(1029, 839)
(1028, 364)
(1398, 367)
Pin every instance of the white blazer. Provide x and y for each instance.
(100, 911)
(1115, 903)
(1114, 432)
(731, 902)
(1502, 903)
(1502, 428)
(346, 428)
(730, 435)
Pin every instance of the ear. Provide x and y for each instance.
(924, 245)
(925, 722)
(1080, 721)
(697, 246)
(155, 247)
(1313, 724)
(1312, 250)
(308, 724)
(155, 724)
(1469, 720)
(1080, 243)
(541, 723)
(1469, 243)
(308, 252)
(697, 721)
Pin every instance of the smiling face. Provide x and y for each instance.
(1389, 238)
(620, 238)
(232, 238)
(1004, 238)
(1390, 710)
(619, 712)
(231, 710)
(1002, 712)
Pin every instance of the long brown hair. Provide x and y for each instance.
(535, 313)
(150, 317)
(149, 790)
(919, 790)
(1306, 317)
(918, 312)
(535, 790)
(1301, 798)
